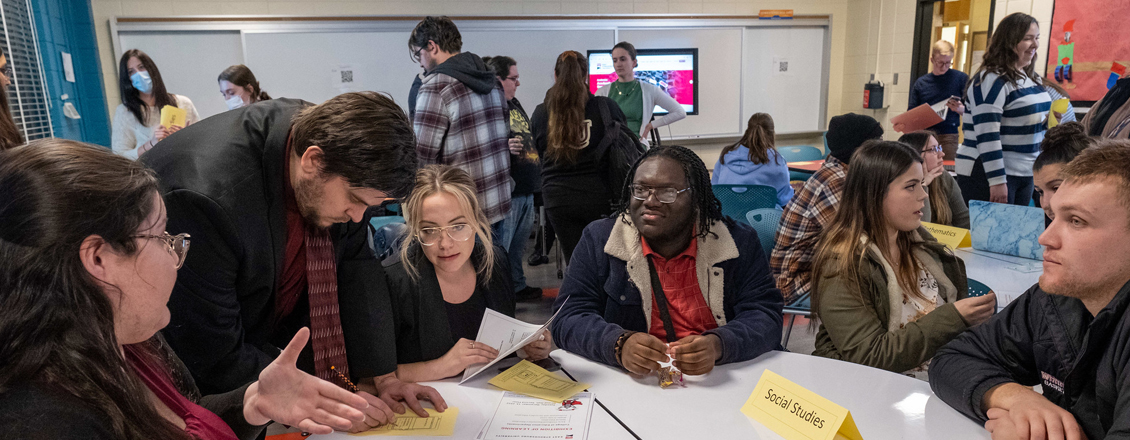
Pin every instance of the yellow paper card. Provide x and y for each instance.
(950, 236)
(171, 116)
(1058, 106)
(796, 413)
(436, 424)
(534, 381)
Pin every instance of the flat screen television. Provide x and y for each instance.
(674, 71)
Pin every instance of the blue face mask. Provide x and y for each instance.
(142, 82)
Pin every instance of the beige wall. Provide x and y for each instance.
(860, 36)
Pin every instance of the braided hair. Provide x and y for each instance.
(706, 206)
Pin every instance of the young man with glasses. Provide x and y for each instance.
(667, 275)
(942, 84)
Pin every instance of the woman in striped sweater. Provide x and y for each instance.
(1007, 117)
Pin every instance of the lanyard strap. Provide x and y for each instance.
(661, 300)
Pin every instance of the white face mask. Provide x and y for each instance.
(234, 102)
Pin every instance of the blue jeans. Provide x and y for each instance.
(516, 233)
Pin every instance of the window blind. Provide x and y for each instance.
(27, 95)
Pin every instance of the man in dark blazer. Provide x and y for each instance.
(249, 185)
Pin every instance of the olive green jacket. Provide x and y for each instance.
(855, 322)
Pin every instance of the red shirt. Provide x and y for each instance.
(199, 422)
(292, 280)
(689, 313)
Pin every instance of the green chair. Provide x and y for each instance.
(737, 200)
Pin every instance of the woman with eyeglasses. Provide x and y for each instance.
(85, 286)
(945, 205)
(137, 120)
(449, 273)
(10, 136)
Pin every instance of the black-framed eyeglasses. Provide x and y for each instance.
(664, 195)
(177, 245)
(457, 232)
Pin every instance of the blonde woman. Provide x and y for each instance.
(449, 273)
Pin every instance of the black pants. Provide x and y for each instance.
(976, 186)
(570, 222)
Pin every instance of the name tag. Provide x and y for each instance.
(950, 236)
(796, 413)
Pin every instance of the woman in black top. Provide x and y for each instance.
(568, 130)
(446, 279)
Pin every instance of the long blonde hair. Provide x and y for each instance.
(873, 167)
(435, 179)
(939, 194)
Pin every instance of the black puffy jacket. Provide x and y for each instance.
(1082, 362)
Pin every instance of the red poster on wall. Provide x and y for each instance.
(1088, 46)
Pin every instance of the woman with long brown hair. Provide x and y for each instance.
(10, 136)
(137, 120)
(85, 285)
(754, 160)
(886, 293)
(1006, 118)
(945, 205)
(568, 130)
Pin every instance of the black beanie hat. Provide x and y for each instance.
(848, 132)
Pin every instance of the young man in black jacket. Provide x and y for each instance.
(1070, 334)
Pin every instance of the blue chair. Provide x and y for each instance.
(799, 153)
(737, 200)
(765, 221)
(799, 307)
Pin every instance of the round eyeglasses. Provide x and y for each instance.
(177, 245)
(457, 232)
(664, 195)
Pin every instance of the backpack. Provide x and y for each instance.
(621, 150)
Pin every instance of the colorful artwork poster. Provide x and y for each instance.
(1088, 46)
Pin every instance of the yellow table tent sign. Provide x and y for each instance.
(796, 413)
(171, 116)
(950, 236)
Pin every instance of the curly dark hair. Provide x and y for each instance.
(706, 205)
(440, 30)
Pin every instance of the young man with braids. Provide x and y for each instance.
(715, 301)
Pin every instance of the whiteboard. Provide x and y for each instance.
(190, 62)
(790, 96)
(299, 58)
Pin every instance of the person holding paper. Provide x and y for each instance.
(1062, 143)
(668, 276)
(637, 99)
(1007, 117)
(449, 272)
(1069, 332)
(239, 87)
(137, 120)
(85, 286)
(945, 205)
(942, 84)
(887, 294)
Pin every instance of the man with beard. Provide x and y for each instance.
(274, 197)
(667, 275)
(1070, 333)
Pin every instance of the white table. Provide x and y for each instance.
(477, 401)
(999, 272)
(884, 405)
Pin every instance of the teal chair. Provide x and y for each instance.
(765, 221)
(737, 200)
(800, 153)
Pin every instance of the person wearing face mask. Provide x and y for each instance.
(137, 120)
(239, 87)
(449, 272)
(10, 136)
(1006, 118)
